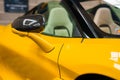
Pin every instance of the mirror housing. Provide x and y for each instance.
(29, 23)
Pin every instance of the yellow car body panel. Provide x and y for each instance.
(23, 59)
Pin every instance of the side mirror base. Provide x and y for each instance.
(43, 44)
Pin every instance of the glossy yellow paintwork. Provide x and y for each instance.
(23, 57)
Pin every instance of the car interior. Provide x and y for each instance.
(58, 21)
(106, 18)
(104, 21)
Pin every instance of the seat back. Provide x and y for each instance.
(103, 17)
(59, 23)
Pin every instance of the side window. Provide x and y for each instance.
(60, 22)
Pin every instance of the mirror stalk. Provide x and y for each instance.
(43, 44)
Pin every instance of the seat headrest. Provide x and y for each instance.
(103, 16)
(58, 17)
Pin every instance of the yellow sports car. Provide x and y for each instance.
(57, 40)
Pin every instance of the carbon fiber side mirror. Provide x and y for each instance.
(29, 23)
